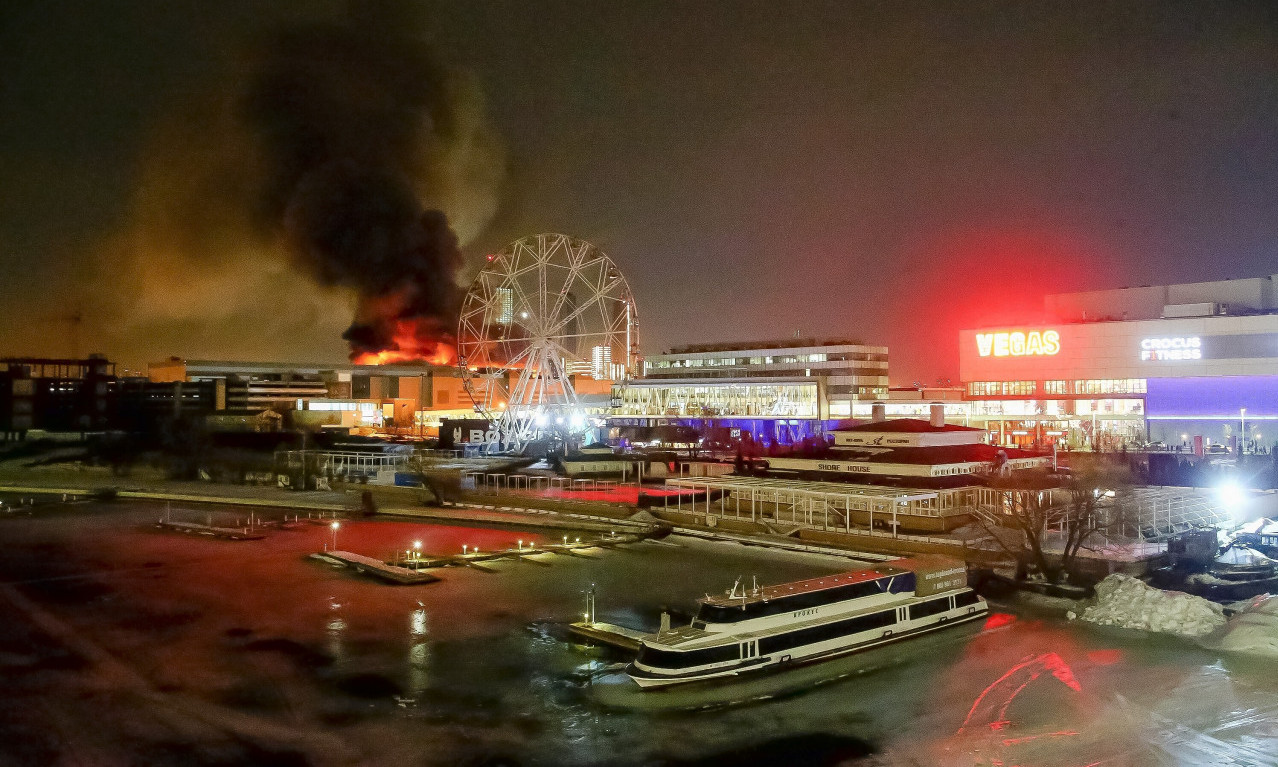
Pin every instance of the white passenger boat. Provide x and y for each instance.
(751, 629)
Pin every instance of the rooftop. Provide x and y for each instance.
(904, 426)
(786, 343)
(937, 455)
(766, 593)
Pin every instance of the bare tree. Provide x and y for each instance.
(1032, 505)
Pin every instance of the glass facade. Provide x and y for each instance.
(1079, 388)
(727, 400)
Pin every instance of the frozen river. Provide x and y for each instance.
(121, 644)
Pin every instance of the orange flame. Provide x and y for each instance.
(412, 341)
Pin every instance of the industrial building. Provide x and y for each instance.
(1190, 366)
(766, 393)
(55, 395)
(408, 398)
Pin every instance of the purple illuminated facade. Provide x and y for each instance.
(1179, 408)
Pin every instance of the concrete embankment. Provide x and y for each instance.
(516, 516)
(520, 516)
(528, 510)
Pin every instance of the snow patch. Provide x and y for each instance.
(1128, 602)
(1253, 630)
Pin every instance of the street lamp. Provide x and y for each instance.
(417, 550)
(1242, 416)
(334, 526)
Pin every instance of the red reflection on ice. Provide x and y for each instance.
(1105, 657)
(1028, 738)
(997, 620)
(990, 707)
(622, 494)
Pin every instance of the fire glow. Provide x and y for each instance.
(412, 341)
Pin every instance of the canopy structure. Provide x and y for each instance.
(816, 505)
(1160, 513)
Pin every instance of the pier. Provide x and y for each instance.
(228, 533)
(377, 568)
(609, 634)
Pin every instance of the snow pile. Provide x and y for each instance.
(1254, 630)
(1122, 600)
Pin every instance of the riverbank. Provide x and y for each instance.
(506, 507)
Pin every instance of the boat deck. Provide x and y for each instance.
(766, 593)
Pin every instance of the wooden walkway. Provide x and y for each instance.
(377, 568)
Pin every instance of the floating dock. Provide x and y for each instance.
(609, 634)
(230, 533)
(377, 568)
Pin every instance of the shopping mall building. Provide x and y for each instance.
(1189, 366)
(768, 393)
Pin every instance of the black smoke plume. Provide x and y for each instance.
(349, 119)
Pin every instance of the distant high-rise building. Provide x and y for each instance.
(601, 363)
(505, 305)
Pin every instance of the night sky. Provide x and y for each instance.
(885, 171)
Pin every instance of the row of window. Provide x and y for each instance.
(781, 359)
(1081, 386)
(827, 631)
(999, 388)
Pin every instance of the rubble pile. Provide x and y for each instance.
(1128, 602)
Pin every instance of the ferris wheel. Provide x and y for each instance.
(546, 319)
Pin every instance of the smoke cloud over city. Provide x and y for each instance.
(323, 184)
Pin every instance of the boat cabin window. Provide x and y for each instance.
(966, 598)
(651, 656)
(902, 583)
(930, 607)
(827, 631)
(794, 602)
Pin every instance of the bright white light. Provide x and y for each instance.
(578, 421)
(1231, 495)
(541, 419)
(335, 525)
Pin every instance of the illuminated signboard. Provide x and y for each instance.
(1173, 348)
(1016, 343)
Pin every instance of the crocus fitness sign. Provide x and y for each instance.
(1018, 343)
(1173, 348)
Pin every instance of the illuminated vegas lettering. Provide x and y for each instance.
(1173, 348)
(1017, 343)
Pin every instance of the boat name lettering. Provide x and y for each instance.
(809, 611)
